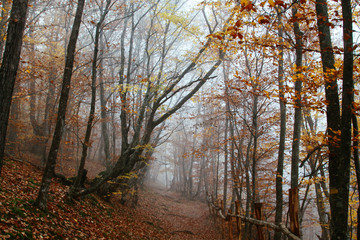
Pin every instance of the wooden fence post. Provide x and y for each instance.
(212, 210)
(230, 225)
(294, 211)
(258, 216)
(238, 219)
(223, 221)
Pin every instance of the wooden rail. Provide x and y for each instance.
(231, 218)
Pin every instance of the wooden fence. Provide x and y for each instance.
(232, 223)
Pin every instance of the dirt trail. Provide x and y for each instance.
(181, 218)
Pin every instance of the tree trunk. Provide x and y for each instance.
(3, 21)
(40, 129)
(104, 125)
(297, 105)
(298, 116)
(356, 163)
(281, 153)
(105, 138)
(9, 66)
(216, 169)
(331, 87)
(339, 154)
(255, 133)
(225, 163)
(49, 110)
(86, 143)
(49, 171)
(248, 190)
(340, 172)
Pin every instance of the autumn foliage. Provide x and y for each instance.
(240, 102)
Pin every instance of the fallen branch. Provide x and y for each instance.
(63, 180)
(177, 215)
(183, 231)
(281, 227)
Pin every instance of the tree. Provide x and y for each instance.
(156, 93)
(147, 59)
(6, 5)
(41, 126)
(280, 164)
(9, 66)
(340, 169)
(315, 156)
(81, 171)
(298, 116)
(339, 150)
(49, 171)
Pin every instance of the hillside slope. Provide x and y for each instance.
(160, 215)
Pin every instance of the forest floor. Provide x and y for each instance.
(159, 215)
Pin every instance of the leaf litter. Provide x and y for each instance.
(159, 214)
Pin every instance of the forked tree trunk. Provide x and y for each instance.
(49, 171)
(339, 152)
(9, 66)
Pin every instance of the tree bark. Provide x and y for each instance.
(104, 124)
(340, 178)
(298, 116)
(3, 21)
(225, 162)
(86, 143)
(339, 152)
(9, 66)
(281, 153)
(356, 163)
(248, 189)
(49, 171)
